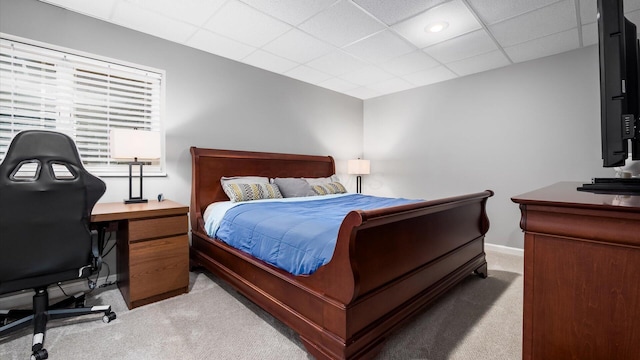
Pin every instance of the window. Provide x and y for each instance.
(81, 95)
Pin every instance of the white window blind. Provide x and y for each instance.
(83, 96)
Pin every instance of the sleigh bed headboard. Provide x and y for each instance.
(209, 165)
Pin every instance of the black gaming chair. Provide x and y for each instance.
(46, 198)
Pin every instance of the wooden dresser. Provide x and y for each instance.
(152, 246)
(581, 274)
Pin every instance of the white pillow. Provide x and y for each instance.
(322, 180)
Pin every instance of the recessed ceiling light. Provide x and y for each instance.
(436, 26)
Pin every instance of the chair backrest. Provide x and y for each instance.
(46, 198)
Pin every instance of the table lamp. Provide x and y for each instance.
(135, 145)
(358, 167)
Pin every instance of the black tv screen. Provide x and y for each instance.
(619, 89)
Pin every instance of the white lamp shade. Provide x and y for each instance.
(358, 167)
(131, 144)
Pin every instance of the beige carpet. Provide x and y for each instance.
(478, 319)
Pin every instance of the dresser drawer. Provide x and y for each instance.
(157, 227)
(158, 266)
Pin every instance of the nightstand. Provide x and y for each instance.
(152, 249)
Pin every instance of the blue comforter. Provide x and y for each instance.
(298, 237)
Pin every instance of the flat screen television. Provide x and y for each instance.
(619, 96)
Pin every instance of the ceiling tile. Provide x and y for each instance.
(410, 63)
(548, 45)
(380, 47)
(631, 5)
(293, 12)
(219, 45)
(336, 63)
(341, 24)
(338, 85)
(536, 24)
(476, 64)
(588, 11)
(298, 46)
(99, 9)
(391, 85)
(307, 74)
(137, 18)
(430, 76)
(245, 24)
(462, 47)
(195, 12)
(268, 61)
(590, 34)
(390, 12)
(492, 12)
(363, 93)
(367, 75)
(460, 21)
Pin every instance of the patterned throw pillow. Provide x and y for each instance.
(329, 188)
(245, 192)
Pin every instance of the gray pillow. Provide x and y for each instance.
(293, 187)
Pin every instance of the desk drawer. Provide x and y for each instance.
(158, 266)
(157, 227)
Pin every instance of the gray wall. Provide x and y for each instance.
(510, 130)
(210, 101)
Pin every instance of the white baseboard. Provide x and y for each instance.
(24, 298)
(504, 249)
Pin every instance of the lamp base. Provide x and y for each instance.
(135, 201)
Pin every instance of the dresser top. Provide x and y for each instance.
(566, 194)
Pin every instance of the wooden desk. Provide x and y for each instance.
(152, 248)
(581, 274)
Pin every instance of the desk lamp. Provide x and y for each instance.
(358, 167)
(135, 145)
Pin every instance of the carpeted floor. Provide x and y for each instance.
(478, 319)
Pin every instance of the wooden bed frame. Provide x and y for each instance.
(387, 265)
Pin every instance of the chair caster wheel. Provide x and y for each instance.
(40, 355)
(107, 318)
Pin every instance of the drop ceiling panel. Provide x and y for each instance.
(293, 12)
(195, 12)
(337, 63)
(363, 93)
(219, 45)
(380, 47)
(548, 45)
(414, 29)
(307, 74)
(298, 46)
(341, 24)
(464, 46)
(410, 63)
(476, 64)
(150, 22)
(342, 44)
(552, 19)
(268, 61)
(240, 22)
(431, 76)
(391, 86)
(367, 75)
(338, 85)
(590, 34)
(391, 12)
(492, 12)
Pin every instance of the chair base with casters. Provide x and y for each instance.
(42, 312)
